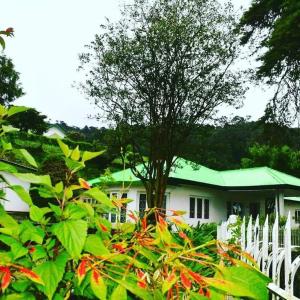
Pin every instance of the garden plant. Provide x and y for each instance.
(67, 249)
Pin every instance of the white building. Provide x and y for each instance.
(211, 196)
(55, 132)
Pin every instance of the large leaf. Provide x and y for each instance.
(37, 214)
(29, 158)
(28, 232)
(74, 211)
(22, 193)
(8, 225)
(119, 293)
(16, 109)
(75, 154)
(98, 285)
(7, 167)
(99, 196)
(72, 235)
(17, 249)
(64, 148)
(239, 281)
(52, 273)
(95, 246)
(37, 179)
(90, 155)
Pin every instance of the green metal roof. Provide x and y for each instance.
(194, 173)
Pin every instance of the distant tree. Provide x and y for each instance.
(30, 120)
(10, 87)
(281, 158)
(273, 27)
(164, 67)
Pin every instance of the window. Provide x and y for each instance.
(123, 209)
(113, 217)
(192, 207)
(142, 204)
(297, 215)
(206, 209)
(199, 207)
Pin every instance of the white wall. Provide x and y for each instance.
(14, 202)
(291, 206)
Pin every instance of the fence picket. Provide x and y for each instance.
(272, 249)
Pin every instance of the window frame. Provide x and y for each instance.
(204, 203)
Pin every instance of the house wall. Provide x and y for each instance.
(14, 202)
(292, 206)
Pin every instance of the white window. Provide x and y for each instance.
(199, 207)
(143, 203)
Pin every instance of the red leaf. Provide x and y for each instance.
(144, 223)
(133, 216)
(96, 276)
(183, 235)
(81, 271)
(162, 223)
(171, 277)
(119, 247)
(6, 278)
(142, 284)
(31, 249)
(31, 275)
(198, 278)
(103, 228)
(84, 184)
(185, 281)
(9, 30)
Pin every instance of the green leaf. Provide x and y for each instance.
(59, 187)
(98, 286)
(37, 179)
(88, 208)
(74, 166)
(36, 213)
(95, 246)
(19, 296)
(135, 289)
(22, 193)
(8, 225)
(72, 234)
(16, 247)
(38, 253)
(9, 128)
(75, 154)
(7, 167)
(51, 272)
(28, 232)
(74, 211)
(2, 42)
(56, 209)
(64, 148)
(16, 109)
(168, 284)
(119, 293)
(240, 281)
(6, 146)
(99, 196)
(87, 155)
(29, 158)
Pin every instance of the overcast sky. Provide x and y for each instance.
(49, 35)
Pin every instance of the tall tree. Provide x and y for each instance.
(164, 67)
(274, 28)
(10, 87)
(30, 120)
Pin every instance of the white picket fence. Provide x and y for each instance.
(271, 257)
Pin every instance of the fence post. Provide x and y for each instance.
(256, 238)
(243, 237)
(265, 246)
(275, 234)
(288, 255)
(249, 236)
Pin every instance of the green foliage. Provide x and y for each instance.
(69, 250)
(10, 88)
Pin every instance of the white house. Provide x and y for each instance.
(211, 196)
(55, 132)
